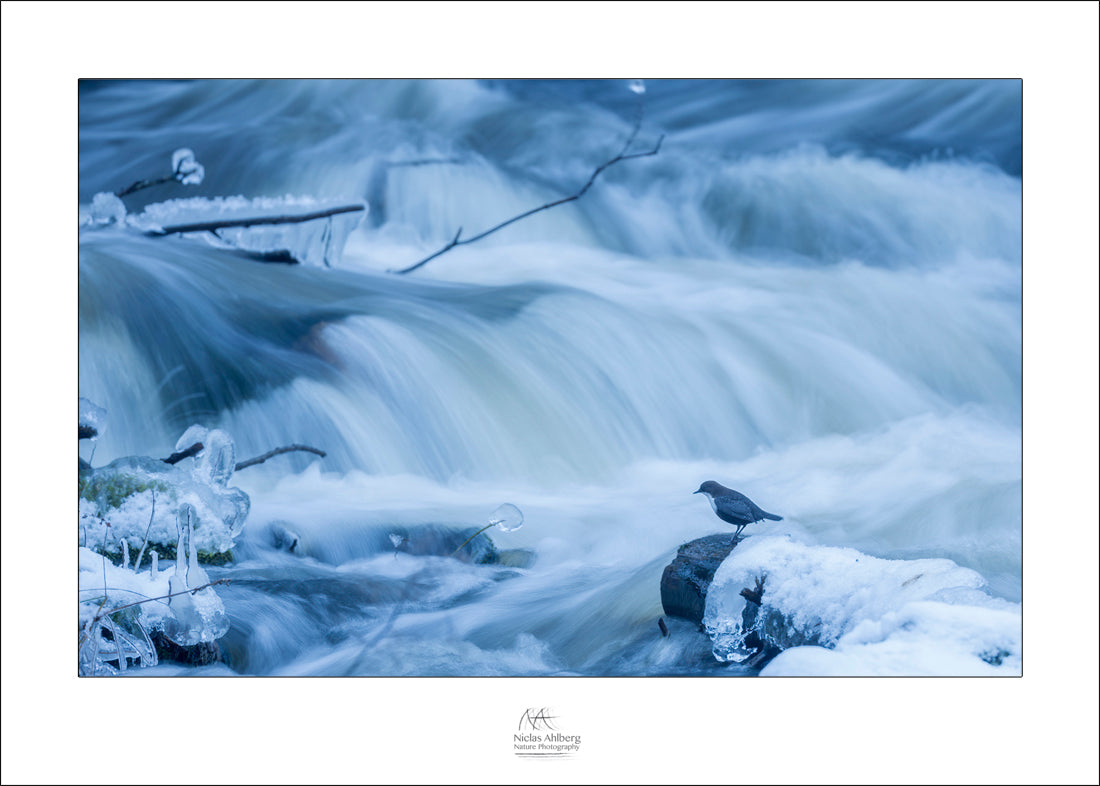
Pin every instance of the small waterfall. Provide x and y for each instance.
(828, 318)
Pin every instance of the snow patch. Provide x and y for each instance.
(840, 611)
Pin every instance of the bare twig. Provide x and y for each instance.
(103, 550)
(277, 451)
(179, 456)
(213, 226)
(491, 523)
(152, 513)
(140, 184)
(622, 156)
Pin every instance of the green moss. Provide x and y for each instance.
(215, 558)
(112, 490)
(166, 553)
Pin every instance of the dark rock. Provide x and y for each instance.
(283, 538)
(197, 655)
(684, 586)
(515, 558)
(442, 540)
(687, 578)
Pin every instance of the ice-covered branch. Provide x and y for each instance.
(622, 156)
(185, 169)
(213, 226)
(180, 455)
(189, 591)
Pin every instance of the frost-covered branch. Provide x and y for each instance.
(213, 226)
(185, 169)
(622, 156)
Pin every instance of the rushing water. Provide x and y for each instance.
(811, 293)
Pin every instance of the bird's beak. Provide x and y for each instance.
(695, 492)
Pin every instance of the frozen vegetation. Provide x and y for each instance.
(140, 496)
(121, 604)
(318, 242)
(132, 512)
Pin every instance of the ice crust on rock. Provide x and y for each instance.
(186, 619)
(196, 617)
(107, 209)
(840, 611)
(123, 493)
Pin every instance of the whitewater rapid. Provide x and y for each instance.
(828, 321)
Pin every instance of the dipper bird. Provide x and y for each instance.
(733, 507)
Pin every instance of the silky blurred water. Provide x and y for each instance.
(810, 294)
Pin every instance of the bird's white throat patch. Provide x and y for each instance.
(710, 499)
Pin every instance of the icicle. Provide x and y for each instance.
(118, 644)
(193, 569)
(153, 567)
(125, 554)
(183, 530)
(215, 464)
(144, 543)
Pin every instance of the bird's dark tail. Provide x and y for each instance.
(772, 516)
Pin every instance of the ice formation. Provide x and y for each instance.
(187, 170)
(507, 517)
(140, 495)
(840, 611)
(107, 209)
(196, 617)
(317, 242)
(109, 640)
(215, 462)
